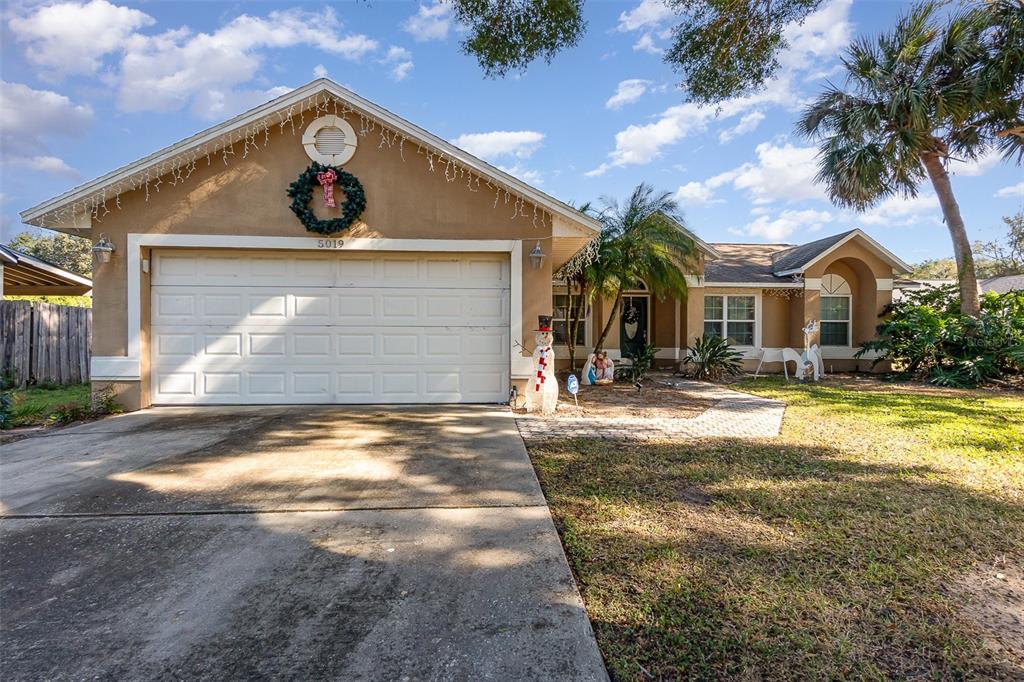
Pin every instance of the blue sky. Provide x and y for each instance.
(89, 86)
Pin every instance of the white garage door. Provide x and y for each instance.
(343, 327)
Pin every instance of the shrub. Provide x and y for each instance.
(713, 358)
(6, 411)
(104, 401)
(925, 336)
(641, 364)
(68, 413)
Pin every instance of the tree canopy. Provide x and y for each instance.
(74, 254)
(720, 48)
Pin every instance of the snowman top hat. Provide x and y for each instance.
(543, 323)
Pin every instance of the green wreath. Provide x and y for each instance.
(301, 192)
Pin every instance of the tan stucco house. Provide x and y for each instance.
(760, 296)
(216, 291)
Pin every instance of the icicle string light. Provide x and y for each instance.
(180, 168)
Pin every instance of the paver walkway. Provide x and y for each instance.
(734, 414)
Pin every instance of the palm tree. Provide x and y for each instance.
(917, 97)
(640, 240)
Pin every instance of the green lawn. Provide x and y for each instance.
(849, 547)
(35, 405)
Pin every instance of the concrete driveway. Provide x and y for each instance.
(285, 542)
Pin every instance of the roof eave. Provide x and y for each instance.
(36, 213)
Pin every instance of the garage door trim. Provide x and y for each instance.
(129, 368)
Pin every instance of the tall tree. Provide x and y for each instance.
(720, 48)
(997, 258)
(74, 254)
(917, 97)
(640, 240)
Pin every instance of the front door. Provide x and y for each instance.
(633, 325)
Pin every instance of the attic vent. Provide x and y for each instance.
(330, 140)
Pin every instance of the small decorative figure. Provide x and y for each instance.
(542, 389)
(599, 369)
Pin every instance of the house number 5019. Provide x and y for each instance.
(330, 243)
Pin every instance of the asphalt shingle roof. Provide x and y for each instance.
(744, 263)
(1004, 284)
(798, 256)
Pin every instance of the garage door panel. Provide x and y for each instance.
(334, 307)
(312, 384)
(344, 270)
(197, 346)
(252, 329)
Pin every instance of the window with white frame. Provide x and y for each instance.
(836, 311)
(730, 317)
(561, 315)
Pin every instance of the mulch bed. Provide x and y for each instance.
(656, 400)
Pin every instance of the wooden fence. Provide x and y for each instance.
(45, 342)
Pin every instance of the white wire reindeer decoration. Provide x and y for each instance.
(812, 365)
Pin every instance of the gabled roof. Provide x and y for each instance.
(27, 275)
(160, 159)
(781, 264)
(797, 259)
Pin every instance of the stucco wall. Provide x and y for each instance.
(248, 197)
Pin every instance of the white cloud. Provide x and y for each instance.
(694, 194)
(431, 22)
(646, 44)
(72, 38)
(46, 164)
(1011, 191)
(166, 71)
(748, 123)
(897, 211)
(648, 14)
(27, 116)
(823, 34)
(320, 71)
(520, 144)
(627, 92)
(978, 166)
(401, 59)
(529, 176)
(786, 224)
(782, 172)
(698, 193)
(642, 144)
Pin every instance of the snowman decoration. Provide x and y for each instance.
(542, 389)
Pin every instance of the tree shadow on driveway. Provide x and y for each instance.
(198, 565)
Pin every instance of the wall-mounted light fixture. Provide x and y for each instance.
(536, 256)
(102, 249)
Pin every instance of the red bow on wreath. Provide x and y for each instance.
(326, 180)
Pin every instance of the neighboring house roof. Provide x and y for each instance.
(1002, 285)
(163, 160)
(782, 264)
(26, 275)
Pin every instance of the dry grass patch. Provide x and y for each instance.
(838, 550)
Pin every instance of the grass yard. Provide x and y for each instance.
(880, 536)
(33, 406)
